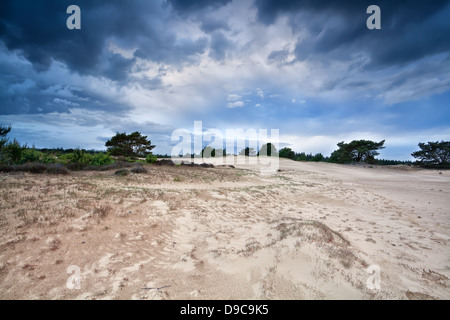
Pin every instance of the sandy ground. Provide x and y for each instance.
(311, 231)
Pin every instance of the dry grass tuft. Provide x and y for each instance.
(53, 243)
(345, 256)
(251, 246)
(312, 230)
(315, 231)
(102, 211)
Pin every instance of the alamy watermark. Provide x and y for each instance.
(74, 20)
(374, 21)
(74, 281)
(374, 280)
(219, 148)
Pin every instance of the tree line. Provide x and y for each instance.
(135, 147)
(431, 154)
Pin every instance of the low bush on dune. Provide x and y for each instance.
(37, 168)
(32, 167)
(122, 172)
(79, 159)
(59, 168)
(139, 169)
(56, 169)
(6, 168)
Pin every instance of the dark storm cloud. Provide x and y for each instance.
(34, 36)
(38, 30)
(219, 45)
(37, 100)
(211, 24)
(172, 51)
(402, 12)
(204, 13)
(410, 30)
(118, 67)
(23, 90)
(189, 6)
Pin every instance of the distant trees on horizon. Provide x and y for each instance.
(249, 152)
(130, 146)
(302, 156)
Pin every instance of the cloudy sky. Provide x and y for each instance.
(311, 69)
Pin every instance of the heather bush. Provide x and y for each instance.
(122, 172)
(139, 169)
(56, 169)
(31, 167)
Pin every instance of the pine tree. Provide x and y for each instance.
(433, 154)
(131, 145)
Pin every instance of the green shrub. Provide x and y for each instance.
(49, 158)
(100, 159)
(151, 158)
(30, 155)
(80, 156)
(11, 153)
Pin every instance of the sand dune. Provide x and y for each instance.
(311, 231)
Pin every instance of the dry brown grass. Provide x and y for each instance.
(312, 230)
(251, 246)
(28, 199)
(318, 232)
(53, 243)
(102, 211)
